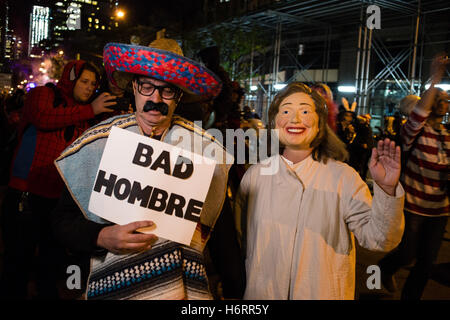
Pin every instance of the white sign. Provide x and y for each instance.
(146, 179)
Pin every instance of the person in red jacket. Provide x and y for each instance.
(52, 118)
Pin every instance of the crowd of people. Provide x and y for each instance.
(289, 234)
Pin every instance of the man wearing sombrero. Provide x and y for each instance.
(160, 78)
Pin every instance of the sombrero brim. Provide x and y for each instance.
(122, 61)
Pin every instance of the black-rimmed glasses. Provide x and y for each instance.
(167, 92)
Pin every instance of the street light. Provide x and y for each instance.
(279, 86)
(120, 13)
(443, 86)
(348, 89)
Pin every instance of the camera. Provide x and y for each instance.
(123, 104)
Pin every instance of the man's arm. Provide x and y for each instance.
(422, 109)
(72, 229)
(80, 235)
(43, 114)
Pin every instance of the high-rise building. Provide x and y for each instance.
(4, 16)
(18, 48)
(55, 21)
(39, 29)
(100, 15)
(10, 45)
(94, 16)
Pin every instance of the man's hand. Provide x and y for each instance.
(384, 165)
(438, 66)
(124, 239)
(102, 102)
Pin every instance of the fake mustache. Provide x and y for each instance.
(160, 106)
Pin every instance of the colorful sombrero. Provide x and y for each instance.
(162, 60)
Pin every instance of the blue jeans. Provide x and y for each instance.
(420, 243)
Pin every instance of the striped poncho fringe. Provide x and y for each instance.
(168, 272)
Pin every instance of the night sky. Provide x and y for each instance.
(20, 15)
(137, 11)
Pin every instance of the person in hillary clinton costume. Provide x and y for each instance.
(126, 264)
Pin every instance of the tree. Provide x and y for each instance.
(235, 44)
(57, 66)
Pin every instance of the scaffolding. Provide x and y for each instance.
(377, 62)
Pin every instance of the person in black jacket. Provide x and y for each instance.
(362, 145)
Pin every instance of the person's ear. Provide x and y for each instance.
(133, 83)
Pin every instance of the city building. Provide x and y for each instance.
(39, 30)
(4, 25)
(53, 22)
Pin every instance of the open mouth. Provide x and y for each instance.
(293, 130)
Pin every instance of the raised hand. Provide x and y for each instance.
(124, 239)
(438, 66)
(102, 102)
(384, 165)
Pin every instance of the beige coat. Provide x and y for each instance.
(298, 226)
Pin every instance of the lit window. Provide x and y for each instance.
(96, 26)
(117, 24)
(96, 20)
(94, 3)
(103, 27)
(90, 19)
